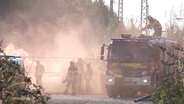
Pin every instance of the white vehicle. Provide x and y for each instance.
(17, 60)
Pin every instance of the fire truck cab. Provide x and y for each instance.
(134, 64)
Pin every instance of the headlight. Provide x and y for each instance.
(110, 80)
(145, 80)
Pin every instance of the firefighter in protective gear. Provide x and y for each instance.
(88, 77)
(39, 73)
(71, 78)
(154, 24)
(80, 78)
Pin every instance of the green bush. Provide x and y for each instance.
(171, 89)
(16, 87)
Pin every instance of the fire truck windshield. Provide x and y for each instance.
(131, 53)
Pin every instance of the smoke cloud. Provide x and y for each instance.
(52, 35)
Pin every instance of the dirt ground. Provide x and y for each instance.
(91, 99)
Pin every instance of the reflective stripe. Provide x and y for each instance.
(118, 75)
(128, 64)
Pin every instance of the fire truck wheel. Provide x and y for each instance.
(111, 91)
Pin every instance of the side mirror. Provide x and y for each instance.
(101, 57)
(102, 52)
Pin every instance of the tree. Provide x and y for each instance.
(15, 87)
(171, 89)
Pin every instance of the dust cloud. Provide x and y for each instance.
(53, 39)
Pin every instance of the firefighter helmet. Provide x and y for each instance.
(149, 17)
(71, 63)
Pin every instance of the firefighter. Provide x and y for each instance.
(80, 78)
(154, 24)
(71, 78)
(88, 77)
(39, 73)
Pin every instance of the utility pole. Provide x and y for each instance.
(101, 2)
(111, 6)
(120, 9)
(144, 13)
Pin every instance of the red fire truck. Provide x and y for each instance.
(134, 64)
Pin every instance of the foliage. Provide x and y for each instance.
(16, 88)
(133, 27)
(174, 27)
(171, 90)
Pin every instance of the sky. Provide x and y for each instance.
(159, 9)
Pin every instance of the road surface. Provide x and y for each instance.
(90, 99)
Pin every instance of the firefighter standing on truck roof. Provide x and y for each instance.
(39, 73)
(154, 24)
(80, 67)
(71, 78)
